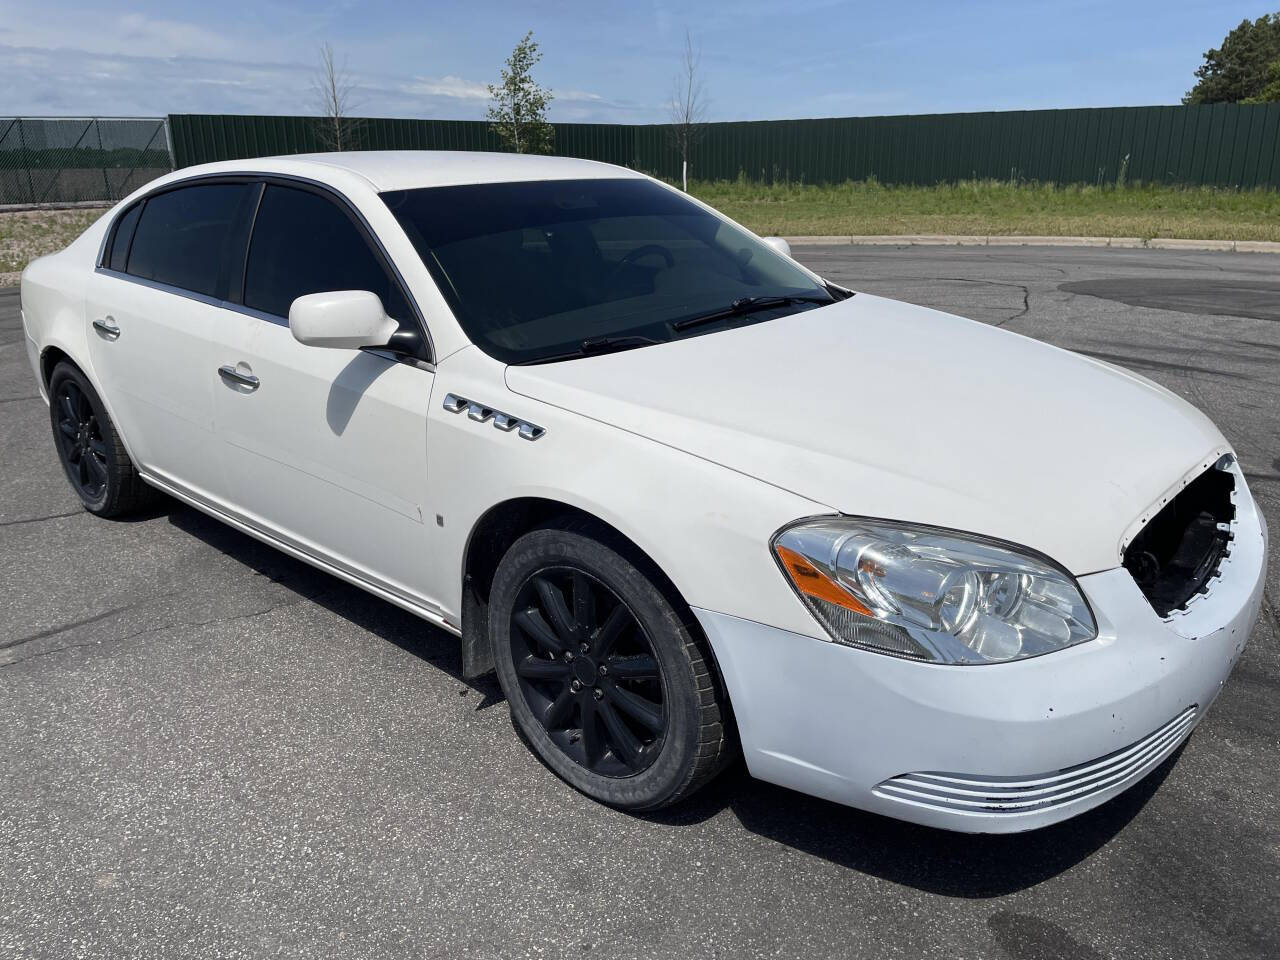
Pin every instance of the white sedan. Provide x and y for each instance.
(686, 497)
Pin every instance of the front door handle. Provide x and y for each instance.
(230, 374)
(107, 327)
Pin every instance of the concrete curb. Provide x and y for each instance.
(1124, 243)
(61, 205)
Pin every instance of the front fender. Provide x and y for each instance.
(707, 527)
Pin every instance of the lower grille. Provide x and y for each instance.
(1010, 795)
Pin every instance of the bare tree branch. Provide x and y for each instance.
(688, 106)
(333, 89)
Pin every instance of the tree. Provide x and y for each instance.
(518, 111)
(687, 108)
(1238, 69)
(1271, 92)
(333, 88)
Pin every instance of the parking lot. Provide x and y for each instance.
(212, 749)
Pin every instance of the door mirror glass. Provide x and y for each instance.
(778, 244)
(341, 319)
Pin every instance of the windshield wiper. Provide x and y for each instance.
(613, 344)
(596, 345)
(745, 305)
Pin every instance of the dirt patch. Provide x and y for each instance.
(27, 234)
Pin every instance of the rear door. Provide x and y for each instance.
(154, 311)
(325, 448)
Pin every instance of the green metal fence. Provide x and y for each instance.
(65, 160)
(1227, 145)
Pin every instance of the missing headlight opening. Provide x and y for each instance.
(1175, 556)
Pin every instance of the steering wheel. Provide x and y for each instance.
(649, 250)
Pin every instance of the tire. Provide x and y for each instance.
(90, 450)
(583, 674)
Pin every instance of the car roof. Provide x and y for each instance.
(411, 169)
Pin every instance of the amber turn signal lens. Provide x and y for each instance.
(813, 582)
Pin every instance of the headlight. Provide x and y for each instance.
(929, 594)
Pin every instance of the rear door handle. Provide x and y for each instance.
(230, 374)
(107, 327)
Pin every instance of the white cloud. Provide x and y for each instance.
(87, 82)
(166, 38)
(577, 96)
(131, 34)
(453, 87)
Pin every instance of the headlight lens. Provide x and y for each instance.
(929, 594)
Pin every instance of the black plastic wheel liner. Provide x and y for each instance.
(1181, 549)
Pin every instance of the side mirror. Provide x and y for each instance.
(341, 319)
(778, 244)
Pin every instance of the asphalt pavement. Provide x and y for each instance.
(210, 749)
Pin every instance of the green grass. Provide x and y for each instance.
(866, 207)
(992, 207)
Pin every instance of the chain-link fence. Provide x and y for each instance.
(69, 160)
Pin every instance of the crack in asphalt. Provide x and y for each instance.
(98, 617)
(34, 396)
(140, 633)
(52, 516)
(1025, 288)
(67, 627)
(1026, 306)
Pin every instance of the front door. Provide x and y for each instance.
(325, 448)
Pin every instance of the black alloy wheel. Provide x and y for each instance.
(609, 679)
(80, 441)
(588, 672)
(90, 450)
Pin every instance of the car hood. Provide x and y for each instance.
(883, 409)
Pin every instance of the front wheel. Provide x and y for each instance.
(606, 681)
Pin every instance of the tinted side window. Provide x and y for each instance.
(305, 243)
(123, 236)
(183, 235)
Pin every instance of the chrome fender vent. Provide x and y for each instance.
(483, 414)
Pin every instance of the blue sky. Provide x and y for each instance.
(605, 61)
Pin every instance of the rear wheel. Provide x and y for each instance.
(606, 681)
(90, 449)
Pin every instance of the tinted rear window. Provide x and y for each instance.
(305, 243)
(182, 237)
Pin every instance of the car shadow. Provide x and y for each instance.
(379, 617)
(936, 861)
(972, 866)
(349, 387)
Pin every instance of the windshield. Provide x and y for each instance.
(533, 271)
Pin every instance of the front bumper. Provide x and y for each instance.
(997, 748)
